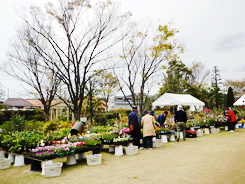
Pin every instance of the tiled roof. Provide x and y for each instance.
(35, 102)
(18, 102)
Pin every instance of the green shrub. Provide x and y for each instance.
(100, 119)
(7, 126)
(63, 124)
(99, 129)
(19, 123)
(111, 122)
(34, 125)
(62, 117)
(50, 126)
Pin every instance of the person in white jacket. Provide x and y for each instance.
(148, 123)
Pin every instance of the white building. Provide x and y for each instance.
(117, 102)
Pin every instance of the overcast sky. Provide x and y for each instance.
(212, 30)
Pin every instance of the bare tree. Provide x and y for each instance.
(143, 56)
(26, 65)
(237, 85)
(200, 74)
(78, 37)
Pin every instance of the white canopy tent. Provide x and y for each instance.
(170, 99)
(240, 101)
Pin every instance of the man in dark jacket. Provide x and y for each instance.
(162, 118)
(134, 118)
(180, 118)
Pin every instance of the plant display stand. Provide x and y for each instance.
(11, 157)
(172, 138)
(181, 135)
(71, 160)
(226, 127)
(80, 156)
(199, 133)
(164, 138)
(111, 149)
(2, 154)
(206, 131)
(130, 144)
(35, 166)
(19, 160)
(95, 159)
(45, 163)
(118, 150)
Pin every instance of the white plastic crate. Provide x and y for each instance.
(157, 143)
(214, 130)
(5, 163)
(52, 170)
(95, 159)
(131, 150)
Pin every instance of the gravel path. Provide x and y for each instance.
(211, 159)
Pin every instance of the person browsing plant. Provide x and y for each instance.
(134, 122)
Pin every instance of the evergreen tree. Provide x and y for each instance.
(176, 79)
(215, 88)
(230, 97)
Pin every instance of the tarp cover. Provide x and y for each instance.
(170, 99)
(240, 101)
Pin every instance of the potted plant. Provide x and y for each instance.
(80, 148)
(121, 141)
(45, 155)
(60, 152)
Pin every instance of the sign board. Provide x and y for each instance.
(83, 119)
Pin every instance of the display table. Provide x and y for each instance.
(71, 160)
(117, 147)
(17, 158)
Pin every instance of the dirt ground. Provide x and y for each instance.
(212, 159)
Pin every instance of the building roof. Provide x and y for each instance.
(19, 103)
(35, 102)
